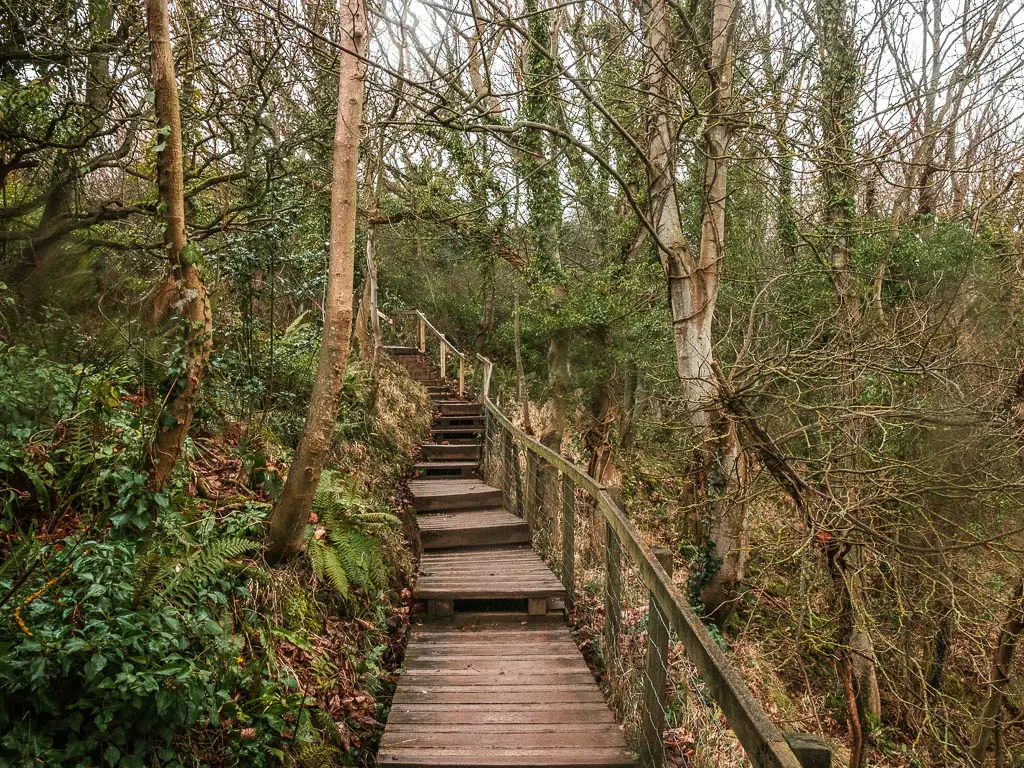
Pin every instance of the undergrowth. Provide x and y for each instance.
(125, 642)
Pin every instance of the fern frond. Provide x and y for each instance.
(376, 519)
(328, 727)
(317, 756)
(316, 558)
(209, 562)
(150, 572)
(335, 572)
(305, 733)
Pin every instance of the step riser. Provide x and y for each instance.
(480, 500)
(454, 435)
(458, 422)
(451, 452)
(495, 536)
(453, 472)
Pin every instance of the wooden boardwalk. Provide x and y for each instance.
(492, 675)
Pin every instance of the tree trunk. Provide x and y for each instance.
(540, 171)
(524, 394)
(693, 290)
(840, 80)
(999, 675)
(191, 302)
(559, 386)
(284, 538)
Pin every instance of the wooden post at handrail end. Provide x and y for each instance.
(811, 751)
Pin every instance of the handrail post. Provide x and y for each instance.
(421, 332)
(516, 476)
(462, 375)
(485, 449)
(506, 466)
(444, 358)
(612, 595)
(568, 537)
(652, 711)
(531, 488)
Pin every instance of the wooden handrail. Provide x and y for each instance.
(763, 742)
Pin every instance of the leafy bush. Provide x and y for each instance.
(94, 675)
(71, 438)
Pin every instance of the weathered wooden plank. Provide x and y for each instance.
(499, 695)
(580, 715)
(449, 452)
(587, 710)
(446, 469)
(452, 493)
(471, 528)
(653, 704)
(433, 679)
(473, 757)
(568, 537)
(511, 650)
(498, 727)
(492, 739)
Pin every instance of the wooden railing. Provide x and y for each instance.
(591, 541)
(423, 331)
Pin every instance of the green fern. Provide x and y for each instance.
(327, 565)
(150, 573)
(319, 755)
(206, 564)
(177, 579)
(351, 553)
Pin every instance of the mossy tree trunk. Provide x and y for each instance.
(839, 91)
(287, 521)
(189, 301)
(538, 156)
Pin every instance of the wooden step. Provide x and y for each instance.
(459, 408)
(444, 494)
(450, 452)
(457, 434)
(398, 350)
(486, 574)
(472, 528)
(446, 469)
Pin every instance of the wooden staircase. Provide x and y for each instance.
(493, 677)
